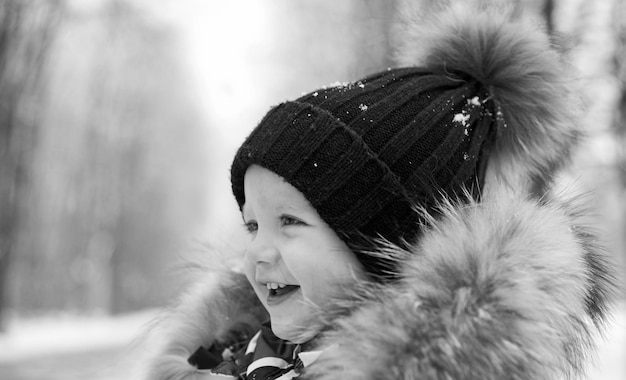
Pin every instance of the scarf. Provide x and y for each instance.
(264, 357)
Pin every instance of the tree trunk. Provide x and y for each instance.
(620, 113)
(24, 38)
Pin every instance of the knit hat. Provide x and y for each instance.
(366, 154)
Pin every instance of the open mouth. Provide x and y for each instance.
(283, 291)
(279, 292)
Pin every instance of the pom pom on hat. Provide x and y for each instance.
(524, 73)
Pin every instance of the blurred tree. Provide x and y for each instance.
(116, 168)
(102, 149)
(542, 9)
(619, 20)
(26, 28)
(596, 32)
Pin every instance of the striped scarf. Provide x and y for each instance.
(265, 357)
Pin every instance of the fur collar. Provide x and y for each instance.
(509, 287)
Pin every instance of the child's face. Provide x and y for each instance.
(295, 262)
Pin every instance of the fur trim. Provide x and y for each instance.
(509, 288)
(493, 290)
(525, 76)
(221, 301)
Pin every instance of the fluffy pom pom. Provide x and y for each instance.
(525, 74)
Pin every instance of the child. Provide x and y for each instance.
(403, 226)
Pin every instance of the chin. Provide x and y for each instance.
(290, 333)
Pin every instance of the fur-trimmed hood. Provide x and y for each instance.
(511, 287)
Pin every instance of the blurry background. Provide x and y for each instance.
(118, 121)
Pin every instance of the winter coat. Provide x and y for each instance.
(513, 286)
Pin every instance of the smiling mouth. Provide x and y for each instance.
(276, 296)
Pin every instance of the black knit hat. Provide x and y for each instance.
(366, 153)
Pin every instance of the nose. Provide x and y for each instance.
(262, 249)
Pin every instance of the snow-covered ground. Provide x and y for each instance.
(66, 334)
(103, 348)
(71, 347)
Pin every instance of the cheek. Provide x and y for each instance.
(325, 273)
(298, 262)
(338, 273)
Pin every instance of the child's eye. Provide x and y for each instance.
(251, 226)
(287, 220)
